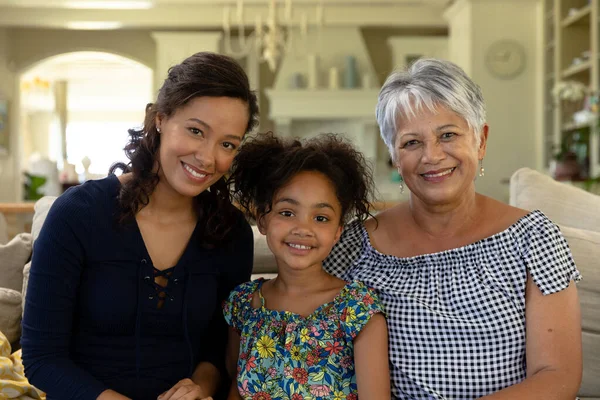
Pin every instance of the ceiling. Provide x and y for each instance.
(141, 4)
(208, 14)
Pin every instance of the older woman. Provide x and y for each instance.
(478, 294)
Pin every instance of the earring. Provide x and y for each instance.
(481, 169)
(157, 129)
(401, 185)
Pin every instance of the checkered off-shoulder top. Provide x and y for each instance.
(456, 318)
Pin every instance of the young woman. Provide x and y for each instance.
(129, 272)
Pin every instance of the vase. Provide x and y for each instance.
(334, 78)
(313, 71)
(351, 73)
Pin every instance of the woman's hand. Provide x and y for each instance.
(185, 389)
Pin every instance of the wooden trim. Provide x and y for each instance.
(17, 208)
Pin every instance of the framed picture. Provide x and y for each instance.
(4, 127)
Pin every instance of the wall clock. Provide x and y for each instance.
(505, 59)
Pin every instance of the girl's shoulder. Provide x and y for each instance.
(357, 293)
(358, 303)
(237, 309)
(245, 291)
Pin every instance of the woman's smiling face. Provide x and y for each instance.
(199, 141)
(437, 155)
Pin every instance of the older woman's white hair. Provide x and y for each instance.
(428, 83)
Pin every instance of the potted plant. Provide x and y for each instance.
(565, 165)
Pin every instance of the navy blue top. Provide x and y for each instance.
(92, 320)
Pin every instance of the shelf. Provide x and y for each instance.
(577, 69)
(581, 17)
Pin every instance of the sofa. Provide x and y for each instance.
(576, 212)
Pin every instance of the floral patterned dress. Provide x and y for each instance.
(286, 356)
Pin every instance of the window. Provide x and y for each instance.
(101, 142)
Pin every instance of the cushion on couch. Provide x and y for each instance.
(3, 230)
(13, 257)
(264, 261)
(562, 203)
(41, 208)
(575, 211)
(585, 247)
(10, 314)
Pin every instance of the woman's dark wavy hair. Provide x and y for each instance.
(265, 163)
(202, 74)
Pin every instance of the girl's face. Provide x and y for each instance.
(198, 143)
(304, 223)
(437, 156)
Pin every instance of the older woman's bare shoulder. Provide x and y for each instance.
(388, 218)
(499, 215)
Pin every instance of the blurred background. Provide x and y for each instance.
(76, 74)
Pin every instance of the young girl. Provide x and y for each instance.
(305, 334)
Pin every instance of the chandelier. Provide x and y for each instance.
(270, 39)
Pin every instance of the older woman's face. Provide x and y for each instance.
(437, 155)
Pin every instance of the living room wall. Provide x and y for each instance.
(33, 45)
(7, 83)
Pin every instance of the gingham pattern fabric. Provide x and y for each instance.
(456, 318)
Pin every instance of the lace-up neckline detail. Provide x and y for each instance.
(159, 282)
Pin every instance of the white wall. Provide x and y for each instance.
(512, 104)
(461, 38)
(7, 85)
(31, 46)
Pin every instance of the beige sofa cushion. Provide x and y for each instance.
(3, 230)
(562, 203)
(577, 214)
(585, 247)
(264, 261)
(10, 314)
(41, 208)
(13, 257)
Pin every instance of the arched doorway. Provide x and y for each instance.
(77, 107)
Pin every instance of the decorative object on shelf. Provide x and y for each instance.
(351, 74)
(505, 59)
(297, 81)
(565, 168)
(584, 57)
(313, 71)
(271, 39)
(571, 161)
(366, 81)
(85, 162)
(68, 174)
(3, 126)
(334, 78)
(569, 90)
(572, 94)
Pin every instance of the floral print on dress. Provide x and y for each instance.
(286, 356)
